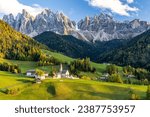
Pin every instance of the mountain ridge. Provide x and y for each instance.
(73, 47)
(66, 44)
(45, 21)
(135, 53)
(97, 28)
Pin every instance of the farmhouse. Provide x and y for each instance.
(32, 73)
(104, 76)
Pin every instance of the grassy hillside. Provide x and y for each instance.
(65, 89)
(26, 65)
(29, 65)
(62, 89)
(58, 56)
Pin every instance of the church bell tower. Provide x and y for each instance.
(61, 68)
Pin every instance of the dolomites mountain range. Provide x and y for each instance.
(101, 27)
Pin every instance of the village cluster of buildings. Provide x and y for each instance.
(61, 74)
(105, 76)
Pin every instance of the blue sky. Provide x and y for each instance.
(78, 9)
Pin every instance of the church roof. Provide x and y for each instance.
(64, 71)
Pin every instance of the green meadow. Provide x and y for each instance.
(58, 89)
(66, 89)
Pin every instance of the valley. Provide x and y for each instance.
(73, 89)
(62, 62)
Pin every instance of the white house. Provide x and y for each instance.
(32, 73)
(104, 76)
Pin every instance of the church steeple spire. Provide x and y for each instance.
(61, 68)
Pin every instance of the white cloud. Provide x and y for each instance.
(130, 1)
(14, 7)
(115, 6)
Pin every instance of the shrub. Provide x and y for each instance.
(133, 95)
(85, 78)
(81, 65)
(145, 82)
(12, 91)
(115, 78)
(148, 93)
(9, 67)
(15, 71)
(48, 60)
(128, 81)
(39, 72)
(111, 69)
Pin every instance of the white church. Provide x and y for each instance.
(63, 73)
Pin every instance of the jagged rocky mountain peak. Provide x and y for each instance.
(9, 18)
(102, 27)
(45, 21)
(46, 12)
(25, 13)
